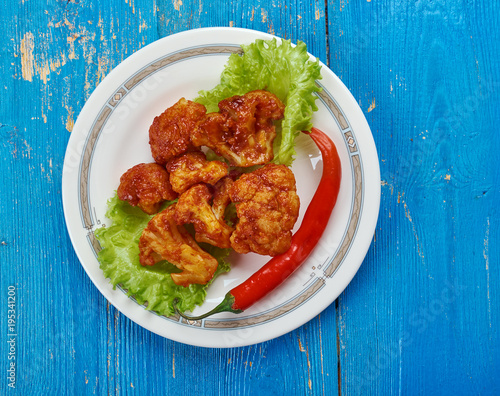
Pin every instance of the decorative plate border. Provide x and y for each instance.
(330, 265)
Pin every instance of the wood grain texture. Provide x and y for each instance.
(422, 314)
(425, 76)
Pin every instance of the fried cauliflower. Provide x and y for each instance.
(221, 197)
(146, 186)
(169, 135)
(163, 239)
(192, 168)
(243, 130)
(267, 206)
(194, 207)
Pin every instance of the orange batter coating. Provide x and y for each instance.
(243, 131)
(169, 135)
(221, 197)
(146, 186)
(194, 207)
(163, 239)
(193, 167)
(267, 206)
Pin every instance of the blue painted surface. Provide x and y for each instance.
(422, 314)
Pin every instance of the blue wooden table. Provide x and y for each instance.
(422, 316)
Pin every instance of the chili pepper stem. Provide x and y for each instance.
(225, 305)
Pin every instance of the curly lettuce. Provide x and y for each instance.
(280, 68)
(119, 261)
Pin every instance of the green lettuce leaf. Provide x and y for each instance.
(282, 69)
(119, 260)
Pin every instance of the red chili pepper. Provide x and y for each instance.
(304, 240)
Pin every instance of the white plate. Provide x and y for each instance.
(111, 135)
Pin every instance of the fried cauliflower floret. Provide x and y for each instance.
(221, 197)
(194, 207)
(163, 239)
(146, 186)
(192, 168)
(267, 206)
(243, 131)
(169, 135)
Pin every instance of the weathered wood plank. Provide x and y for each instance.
(420, 314)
